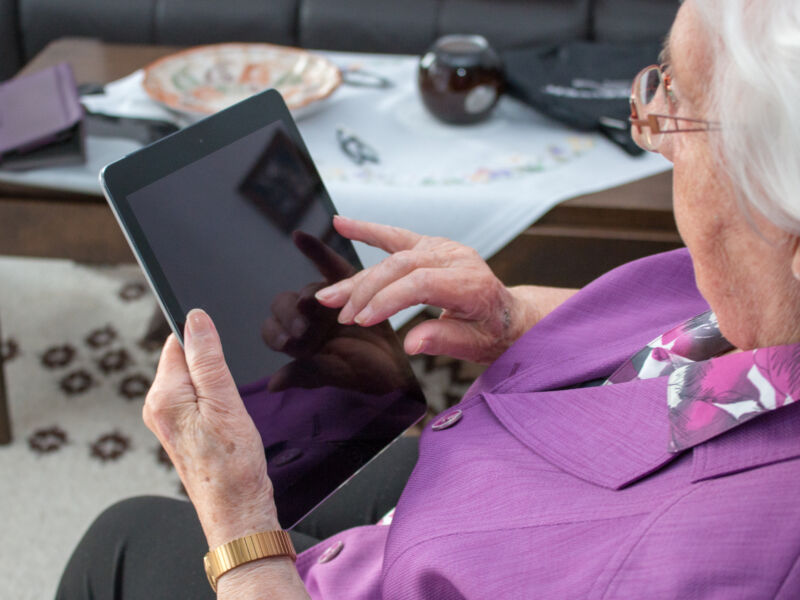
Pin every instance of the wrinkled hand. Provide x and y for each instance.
(481, 317)
(195, 410)
(326, 352)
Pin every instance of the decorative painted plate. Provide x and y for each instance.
(205, 79)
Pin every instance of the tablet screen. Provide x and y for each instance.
(244, 231)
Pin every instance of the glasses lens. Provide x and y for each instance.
(645, 93)
(649, 84)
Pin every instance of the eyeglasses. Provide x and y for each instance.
(650, 91)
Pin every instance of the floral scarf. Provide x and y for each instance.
(707, 396)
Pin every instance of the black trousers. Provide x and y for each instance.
(152, 548)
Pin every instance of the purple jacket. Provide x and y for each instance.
(544, 492)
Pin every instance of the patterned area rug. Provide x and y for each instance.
(76, 375)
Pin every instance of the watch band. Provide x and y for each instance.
(246, 549)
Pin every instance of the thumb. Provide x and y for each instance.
(207, 368)
(449, 337)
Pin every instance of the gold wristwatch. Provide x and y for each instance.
(246, 549)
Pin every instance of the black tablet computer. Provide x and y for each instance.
(230, 215)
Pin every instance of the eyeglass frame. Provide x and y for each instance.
(651, 120)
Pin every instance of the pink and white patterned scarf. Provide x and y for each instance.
(707, 396)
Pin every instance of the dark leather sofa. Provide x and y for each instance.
(399, 26)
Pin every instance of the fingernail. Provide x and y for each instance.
(325, 293)
(281, 340)
(340, 218)
(198, 323)
(298, 327)
(420, 347)
(345, 316)
(364, 316)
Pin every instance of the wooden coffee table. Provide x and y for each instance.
(572, 244)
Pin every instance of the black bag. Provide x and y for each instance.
(583, 84)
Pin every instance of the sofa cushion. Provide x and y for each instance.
(192, 22)
(45, 20)
(514, 23)
(9, 39)
(411, 26)
(368, 25)
(633, 20)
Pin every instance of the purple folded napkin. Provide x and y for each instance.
(41, 120)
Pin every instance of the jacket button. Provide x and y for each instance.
(446, 420)
(331, 553)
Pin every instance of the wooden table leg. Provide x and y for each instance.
(5, 419)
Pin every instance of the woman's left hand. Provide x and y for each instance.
(195, 411)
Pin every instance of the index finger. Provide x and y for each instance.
(330, 265)
(386, 237)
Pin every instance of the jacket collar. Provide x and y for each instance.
(609, 435)
(769, 438)
(614, 435)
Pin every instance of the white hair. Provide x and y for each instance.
(755, 94)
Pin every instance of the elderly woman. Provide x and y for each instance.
(678, 478)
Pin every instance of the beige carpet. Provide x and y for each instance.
(76, 378)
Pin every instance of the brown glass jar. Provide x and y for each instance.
(460, 78)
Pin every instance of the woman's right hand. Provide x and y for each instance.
(481, 317)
